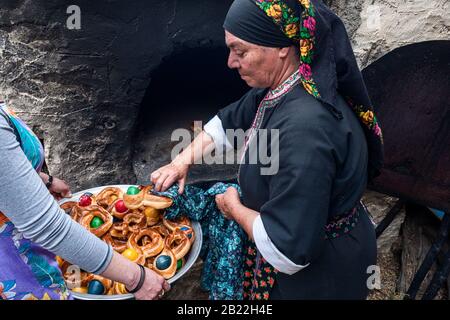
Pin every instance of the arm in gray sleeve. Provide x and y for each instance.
(25, 200)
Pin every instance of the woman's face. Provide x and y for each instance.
(257, 65)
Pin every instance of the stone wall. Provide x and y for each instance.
(81, 90)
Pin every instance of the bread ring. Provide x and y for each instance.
(96, 211)
(108, 196)
(165, 264)
(119, 230)
(135, 221)
(72, 208)
(67, 206)
(117, 244)
(119, 288)
(149, 262)
(178, 243)
(172, 224)
(133, 201)
(161, 229)
(157, 202)
(148, 241)
(189, 231)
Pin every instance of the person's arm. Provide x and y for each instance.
(58, 188)
(177, 170)
(25, 200)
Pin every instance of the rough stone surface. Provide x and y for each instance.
(81, 90)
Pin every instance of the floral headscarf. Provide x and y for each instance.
(327, 62)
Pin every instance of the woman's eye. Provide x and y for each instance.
(240, 54)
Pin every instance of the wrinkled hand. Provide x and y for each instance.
(227, 202)
(60, 189)
(165, 176)
(154, 286)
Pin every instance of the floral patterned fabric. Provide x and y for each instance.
(223, 240)
(27, 271)
(330, 68)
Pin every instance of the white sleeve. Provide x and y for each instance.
(268, 250)
(215, 129)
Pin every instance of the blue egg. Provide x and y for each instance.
(186, 229)
(163, 262)
(96, 287)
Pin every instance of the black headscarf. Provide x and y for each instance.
(327, 62)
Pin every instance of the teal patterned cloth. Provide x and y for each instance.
(223, 240)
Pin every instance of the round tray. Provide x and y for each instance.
(191, 257)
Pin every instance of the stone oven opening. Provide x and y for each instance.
(189, 85)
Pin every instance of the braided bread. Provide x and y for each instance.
(133, 224)
(148, 241)
(142, 197)
(108, 196)
(96, 219)
(178, 243)
(117, 244)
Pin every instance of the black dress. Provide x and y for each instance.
(322, 174)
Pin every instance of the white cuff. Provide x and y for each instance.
(215, 129)
(270, 252)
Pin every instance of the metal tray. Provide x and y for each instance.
(191, 257)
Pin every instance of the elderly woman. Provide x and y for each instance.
(33, 228)
(313, 237)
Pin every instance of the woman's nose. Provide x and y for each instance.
(232, 61)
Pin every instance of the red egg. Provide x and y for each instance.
(85, 200)
(120, 206)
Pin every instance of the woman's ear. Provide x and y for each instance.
(283, 53)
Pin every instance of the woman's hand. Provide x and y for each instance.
(129, 273)
(228, 202)
(165, 176)
(153, 288)
(60, 189)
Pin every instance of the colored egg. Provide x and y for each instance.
(80, 290)
(180, 264)
(85, 200)
(187, 231)
(151, 212)
(163, 262)
(96, 287)
(130, 254)
(133, 190)
(96, 222)
(120, 206)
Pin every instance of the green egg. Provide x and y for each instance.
(96, 222)
(133, 190)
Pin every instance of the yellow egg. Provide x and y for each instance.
(130, 254)
(80, 290)
(151, 212)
